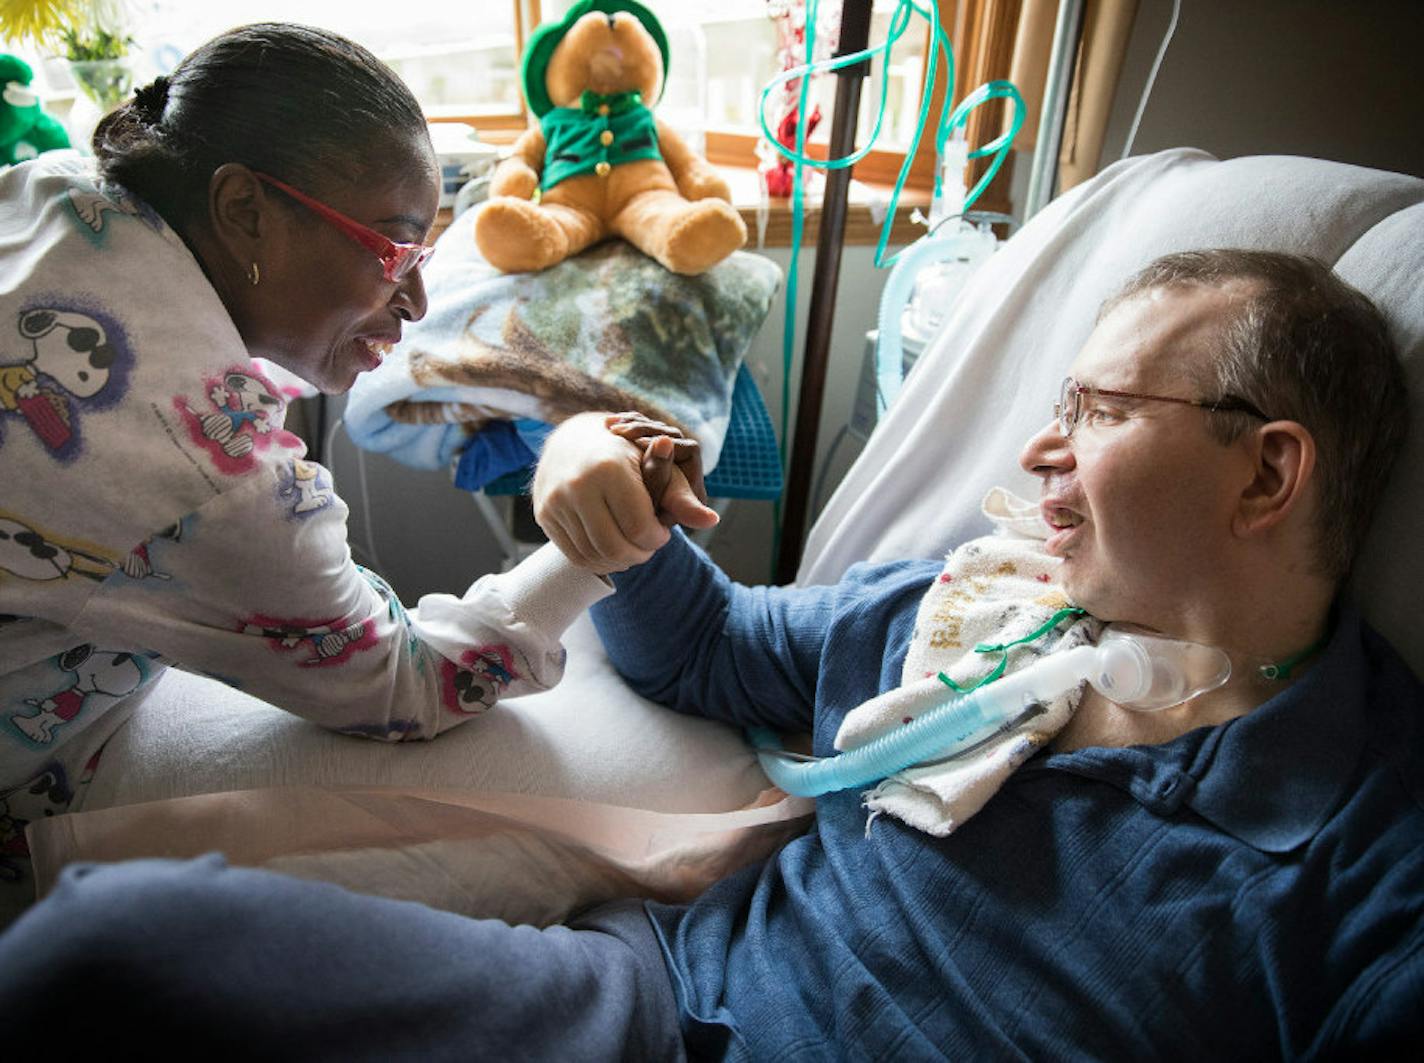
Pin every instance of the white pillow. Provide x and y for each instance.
(543, 806)
(589, 738)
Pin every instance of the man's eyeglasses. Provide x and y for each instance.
(397, 260)
(1068, 410)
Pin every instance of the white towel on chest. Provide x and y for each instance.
(993, 590)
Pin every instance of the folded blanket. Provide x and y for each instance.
(608, 329)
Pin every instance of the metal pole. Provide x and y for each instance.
(1044, 175)
(854, 36)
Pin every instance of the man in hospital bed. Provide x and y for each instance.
(1240, 876)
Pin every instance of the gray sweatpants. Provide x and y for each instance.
(227, 962)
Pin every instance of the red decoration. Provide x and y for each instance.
(777, 171)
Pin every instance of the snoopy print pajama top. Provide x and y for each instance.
(154, 512)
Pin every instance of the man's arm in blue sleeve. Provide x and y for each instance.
(683, 634)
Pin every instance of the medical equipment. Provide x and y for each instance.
(850, 63)
(1133, 668)
(1151, 79)
(929, 274)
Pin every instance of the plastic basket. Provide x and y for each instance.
(749, 466)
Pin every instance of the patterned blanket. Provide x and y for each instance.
(607, 329)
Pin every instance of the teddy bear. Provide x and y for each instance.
(25, 130)
(602, 164)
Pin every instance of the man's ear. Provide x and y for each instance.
(1284, 469)
(239, 211)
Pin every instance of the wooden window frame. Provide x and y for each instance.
(983, 32)
(504, 128)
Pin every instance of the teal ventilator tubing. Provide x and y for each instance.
(965, 247)
(1135, 669)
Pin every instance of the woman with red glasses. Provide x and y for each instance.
(270, 198)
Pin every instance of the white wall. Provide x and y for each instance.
(1321, 78)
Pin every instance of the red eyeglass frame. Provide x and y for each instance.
(397, 260)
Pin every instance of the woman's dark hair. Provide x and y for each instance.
(299, 103)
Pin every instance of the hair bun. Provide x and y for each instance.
(151, 99)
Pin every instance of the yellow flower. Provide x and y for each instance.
(39, 20)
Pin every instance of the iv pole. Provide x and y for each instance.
(854, 37)
(1044, 174)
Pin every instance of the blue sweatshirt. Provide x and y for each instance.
(1246, 891)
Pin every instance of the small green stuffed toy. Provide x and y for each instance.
(25, 130)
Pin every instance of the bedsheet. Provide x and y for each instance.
(576, 795)
(524, 858)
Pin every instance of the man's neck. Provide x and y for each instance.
(1285, 629)
(1100, 722)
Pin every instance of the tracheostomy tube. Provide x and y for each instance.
(1136, 669)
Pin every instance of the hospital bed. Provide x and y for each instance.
(668, 801)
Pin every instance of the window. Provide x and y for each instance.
(462, 61)
(739, 53)
(747, 45)
(459, 58)
(723, 53)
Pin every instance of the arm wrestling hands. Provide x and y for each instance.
(609, 486)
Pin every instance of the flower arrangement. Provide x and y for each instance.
(777, 171)
(89, 33)
(86, 30)
(36, 20)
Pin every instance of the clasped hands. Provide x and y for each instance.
(609, 486)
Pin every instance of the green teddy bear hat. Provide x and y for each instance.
(546, 39)
(25, 130)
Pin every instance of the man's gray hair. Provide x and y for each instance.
(1303, 346)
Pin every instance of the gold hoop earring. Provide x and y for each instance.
(254, 274)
